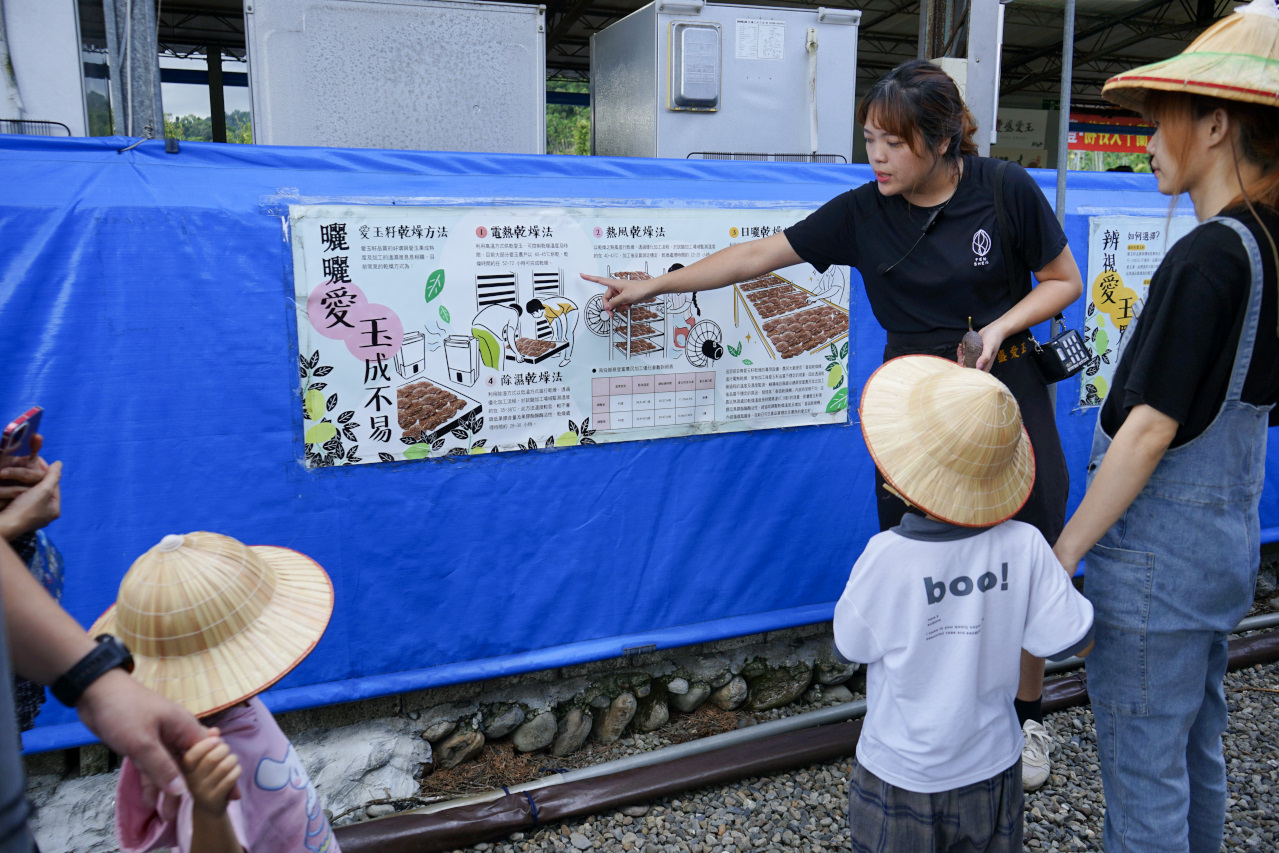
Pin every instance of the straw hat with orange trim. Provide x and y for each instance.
(1236, 58)
(948, 439)
(212, 622)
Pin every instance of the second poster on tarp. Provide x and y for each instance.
(425, 332)
(1123, 254)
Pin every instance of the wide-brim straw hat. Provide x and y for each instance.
(211, 621)
(1236, 58)
(948, 439)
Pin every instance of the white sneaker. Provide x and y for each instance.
(1034, 756)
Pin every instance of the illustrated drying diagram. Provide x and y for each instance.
(472, 331)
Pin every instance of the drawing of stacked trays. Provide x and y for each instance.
(427, 411)
(638, 329)
(789, 319)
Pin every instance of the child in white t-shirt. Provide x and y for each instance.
(940, 607)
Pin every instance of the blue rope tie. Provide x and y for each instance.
(532, 805)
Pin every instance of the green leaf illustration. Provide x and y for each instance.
(421, 450)
(839, 402)
(314, 402)
(1099, 382)
(444, 314)
(320, 433)
(1102, 343)
(434, 284)
(843, 351)
(747, 361)
(735, 350)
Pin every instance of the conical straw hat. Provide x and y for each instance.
(1236, 58)
(948, 439)
(211, 621)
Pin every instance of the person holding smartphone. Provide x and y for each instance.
(40, 640)
(30, 499)
(925, 238)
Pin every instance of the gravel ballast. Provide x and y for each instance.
(805, 809)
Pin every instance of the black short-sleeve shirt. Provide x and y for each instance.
(1183, 347)
(957, 270)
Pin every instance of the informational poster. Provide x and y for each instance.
(1123, 254)
(1022, 128)
(1021, 136)
(425, 332)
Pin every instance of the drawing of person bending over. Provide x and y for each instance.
(493, 326)
(562, 314)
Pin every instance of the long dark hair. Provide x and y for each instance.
(920, 103)
(1257, 141)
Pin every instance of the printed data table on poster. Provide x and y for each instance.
(433, 331)
(658, 400)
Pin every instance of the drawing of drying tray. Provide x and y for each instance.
(426, 410)
(535, 350)
(790, 320)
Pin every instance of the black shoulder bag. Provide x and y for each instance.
(1064, 355)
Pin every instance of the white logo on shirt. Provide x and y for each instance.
(981, 247)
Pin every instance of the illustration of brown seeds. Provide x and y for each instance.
(972, 345)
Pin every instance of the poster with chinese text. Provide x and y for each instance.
(1123, 254)
(425, 332)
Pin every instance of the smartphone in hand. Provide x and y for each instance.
(16, 442)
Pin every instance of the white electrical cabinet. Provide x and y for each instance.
(703, 80)
(443, 75)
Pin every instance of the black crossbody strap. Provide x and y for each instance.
(1015, 288)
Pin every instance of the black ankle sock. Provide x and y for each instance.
(1029, 710)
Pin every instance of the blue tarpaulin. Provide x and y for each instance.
(147, 305)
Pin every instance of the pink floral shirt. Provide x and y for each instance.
(278, 810)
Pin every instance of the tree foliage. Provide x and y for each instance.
(1101, 161)
(193, 128)
(568, 129)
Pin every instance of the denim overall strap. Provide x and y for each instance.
(1167, 581)
(1247, 334)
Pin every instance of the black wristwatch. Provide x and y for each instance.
(109, 654)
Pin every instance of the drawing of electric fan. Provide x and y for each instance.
(596, 319)
(705, 344)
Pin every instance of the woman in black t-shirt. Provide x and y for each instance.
(925, 238)
(1170, 522)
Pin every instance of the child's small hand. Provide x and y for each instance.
(211, 771)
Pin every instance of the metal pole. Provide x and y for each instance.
(982, 93)
(924, 12)
(1063, 139)
(133, 48)
(1063, 125)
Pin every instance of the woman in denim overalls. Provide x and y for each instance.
(1169, 523)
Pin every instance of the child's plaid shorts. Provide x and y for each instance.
(985, 817)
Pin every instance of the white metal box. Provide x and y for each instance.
(688, 78)
(442, 75)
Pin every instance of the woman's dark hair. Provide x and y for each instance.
(534, 305)
(920, 103)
